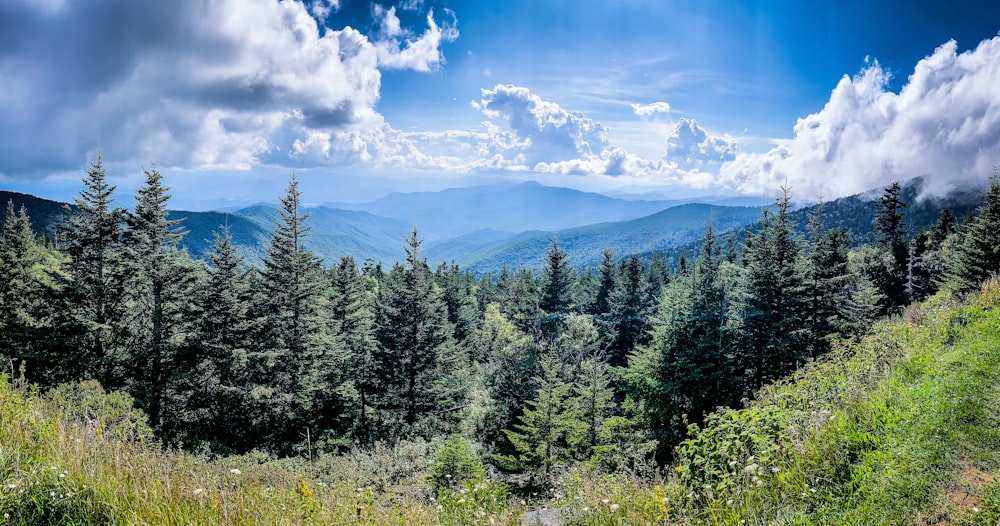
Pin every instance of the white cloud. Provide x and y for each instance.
(943, 124)
(690, 146)
(650, 110)
(192, 84)
(400, 49)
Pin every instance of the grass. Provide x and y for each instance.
(902, 427)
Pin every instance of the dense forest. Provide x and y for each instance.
(523, 373)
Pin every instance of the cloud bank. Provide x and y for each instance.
(943, 124)
(222, 84)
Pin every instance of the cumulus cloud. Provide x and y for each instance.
(690, 146)
(650, 110)
(194, 84)
(401, 49)
(943, 124)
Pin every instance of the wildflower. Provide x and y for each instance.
(199, 491)
(11, 485)
(614, 507)
(235, 471)
(775, 469)
(666, 500)
(52, 494)
(460, 501)
(605, 501)
(585, 508)
(62, 475)
(53, 468)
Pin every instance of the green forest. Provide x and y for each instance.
(478, 396)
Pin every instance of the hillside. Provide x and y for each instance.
(505, 207)
(856, 215)
(665, 229)
(899, 428)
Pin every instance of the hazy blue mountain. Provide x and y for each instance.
(660, 231)
(335, 233)
(505, 207)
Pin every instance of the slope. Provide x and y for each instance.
(668, 228)
(505, 207)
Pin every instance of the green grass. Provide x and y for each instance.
(902, 427)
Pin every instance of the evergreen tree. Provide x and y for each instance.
(891, 236)
(304, 352)
(679, 376)
(25, 293)
(218, 363)
(556, 282)
(459, 297)
(93, 236)
(775, 328)
(827, 282)
(628, 311)
(547, 423)
(978, 254)
(420, 367)
(159, 281)
(518, 297)
(509, 362)
(352, 310)
(593, 403)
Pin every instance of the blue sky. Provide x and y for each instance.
(359, 98)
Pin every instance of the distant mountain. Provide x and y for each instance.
(504, 207)
(335, 233)
(44, 214)
(856, 214)
(584, 245)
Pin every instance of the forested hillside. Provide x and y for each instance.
(499, 385)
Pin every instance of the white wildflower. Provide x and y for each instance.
(614, 507)
(199, 491)
(605, 501)
(235, 471)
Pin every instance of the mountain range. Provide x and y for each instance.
(485, 228)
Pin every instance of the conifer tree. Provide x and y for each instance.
(628, 311)
(420, 367)
(827, 282)
(25, 291)
(891, 236)
(159, 281)
(978, 254)
(304, 352)
(547, 423)
(606, 283)
(593, 403)
(93, 236)
(556, 281)
(352, 304)
(217, 365)
(775, 328)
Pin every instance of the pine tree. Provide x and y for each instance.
(593, 403)
(304, 351)
(827, 282)
(509, 359)
(542, 438)
(606, 282)
(24, 291)
(775, 328)
(420, 367)
(556, 281)
(352, 310)
(217, 365)
(93, 236)
(891, 236)
(159, 281)
(629, 308)
(978, 255)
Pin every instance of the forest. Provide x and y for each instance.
(510, 378)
